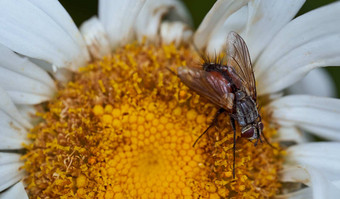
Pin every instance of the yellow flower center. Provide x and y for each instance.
(124, 128)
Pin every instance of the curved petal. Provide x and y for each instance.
(95, 37)
(307, 42)
(9, 170)
(235, 22)
(12, 134)
(321, 186)
(175, 32)
(8, 108)
(291, 134)
(319, 115)
(317, 82)
(13, 126)
(53, 37)
(149, 20)
(16, 191)
(216, 17)
(323, 156)
(265, 19)
(25, 82)
(118, 18)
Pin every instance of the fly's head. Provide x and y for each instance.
(253, 131)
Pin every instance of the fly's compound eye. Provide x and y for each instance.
(248, 133)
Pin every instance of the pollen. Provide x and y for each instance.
(124, 127)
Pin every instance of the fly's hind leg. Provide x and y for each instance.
(221, 110)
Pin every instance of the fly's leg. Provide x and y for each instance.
(257, 139)
(221, 110)
(266, 140)
(232, 122)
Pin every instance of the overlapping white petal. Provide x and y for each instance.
(257, 22)
(12, 134)
(319, 115)
(9, 170)
(218, 38)
(13, 126)
(175, 32)
(28, 112)
(307, 42)
(25, 82)
(323, 156)
(265, 19)
(317, 82)
(17, 191)
(118, 18)
(320, 185)
(96, 38)
(8, 108)
(149, 20)
(216, 18)
(52, 37)
(291, 134)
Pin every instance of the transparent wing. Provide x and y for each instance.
(238, 57)
(209, 85)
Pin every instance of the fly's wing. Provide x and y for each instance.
(238, 57)
(209, 85)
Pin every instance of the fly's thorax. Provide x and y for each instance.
(246, 109)
(214, 67)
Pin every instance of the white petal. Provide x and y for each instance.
(21, 65)
(154, 11)
(12, 134)
(216, 17)
(24, 90)
(13, 126)
(321, 186)
(42, 29)
(9, 170)
(318, 82)
(291, 134)
(95, 37)
(323, 156)
(20, 76)
(118, 18)
(307, 42)
(29, 113)
(319, 115)
(265, 19)
(63, 75)
(7, 107)
(235, 22)
(175, 32)
(15, 192)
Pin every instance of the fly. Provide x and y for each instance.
(231, 87)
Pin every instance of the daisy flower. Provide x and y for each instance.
(95, 112)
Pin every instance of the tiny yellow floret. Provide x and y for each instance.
(98, 110)
(107, 119)
(81, 181)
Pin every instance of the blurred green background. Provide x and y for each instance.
(80, 10)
